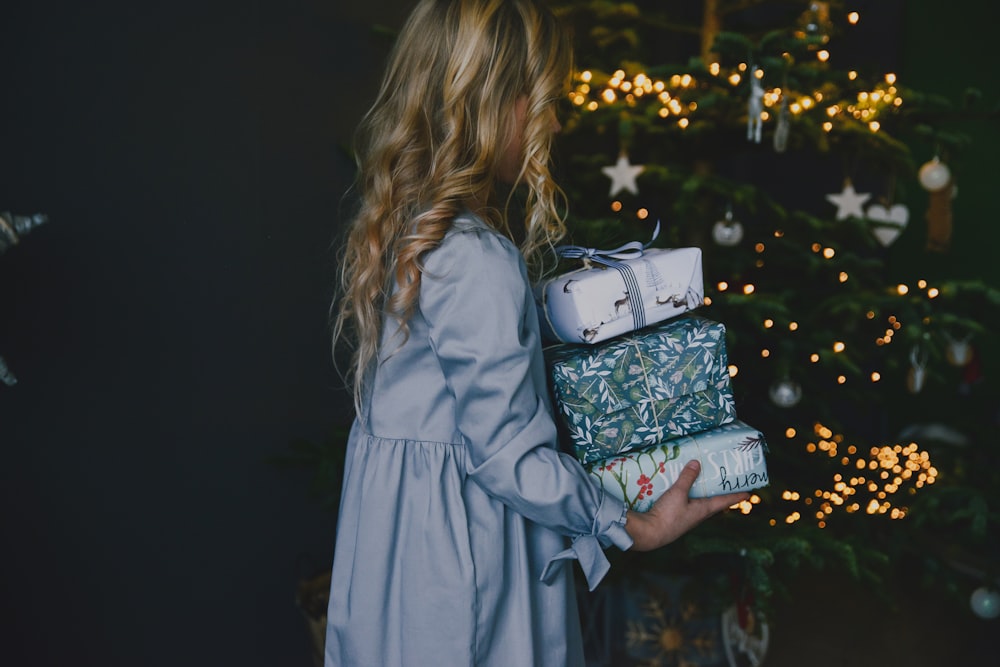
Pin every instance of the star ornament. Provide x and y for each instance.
(623, 175)
(849, 202)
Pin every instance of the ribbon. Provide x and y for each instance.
(609, 258)
(587, 550)
(632, 250)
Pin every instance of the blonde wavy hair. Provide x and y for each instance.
(431, 147)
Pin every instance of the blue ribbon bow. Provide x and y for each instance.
(610, 258)
(631, 250)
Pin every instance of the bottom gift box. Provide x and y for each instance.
(731, 455)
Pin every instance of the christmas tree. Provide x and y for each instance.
(742, 130)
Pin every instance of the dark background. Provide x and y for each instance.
(169, 324)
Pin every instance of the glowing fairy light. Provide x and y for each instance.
(869, 483)
(853, 18)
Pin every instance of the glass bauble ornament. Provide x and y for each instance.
(785, 393)
(985, 602)
(727, 232)
(934, 175)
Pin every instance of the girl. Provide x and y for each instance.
(452, 541)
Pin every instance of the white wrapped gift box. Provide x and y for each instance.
(608, 297)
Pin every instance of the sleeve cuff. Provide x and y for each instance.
(609, 528)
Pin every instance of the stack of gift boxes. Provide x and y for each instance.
(641, 384)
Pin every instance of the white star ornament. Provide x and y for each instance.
(623, 175)
(849, 202)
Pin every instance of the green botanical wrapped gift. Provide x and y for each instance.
(731, 456)
(643, 388)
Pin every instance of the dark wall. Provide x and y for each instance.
(168, 326)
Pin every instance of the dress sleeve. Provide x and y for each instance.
(474, 298)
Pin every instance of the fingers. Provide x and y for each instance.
(675, 513)
(716, 504)
(685, 480)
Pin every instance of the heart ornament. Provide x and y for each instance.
(891, 222)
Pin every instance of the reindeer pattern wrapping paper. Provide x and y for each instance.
(604, 300)
(641, 389)
(732, 459)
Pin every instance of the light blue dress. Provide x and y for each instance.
(459, 519)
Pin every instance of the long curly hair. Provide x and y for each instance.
(431, 147)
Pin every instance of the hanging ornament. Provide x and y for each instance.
(727, 232)
(917, 374)
(6, 376)
(848, 202)
(782, 127)
(785, 393)
(934, 175)
(972, 372)
(755, 107)
(623, 175)
(745, 642)
(985, 602)
(890, 222)
(14, 226)
(958, 351)
(939, 218)
(815, 21)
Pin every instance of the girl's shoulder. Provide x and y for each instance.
(472, 244)
(469, 231)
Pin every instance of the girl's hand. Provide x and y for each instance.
(674, 514)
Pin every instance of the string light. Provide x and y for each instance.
(887, 470)
(590, 94)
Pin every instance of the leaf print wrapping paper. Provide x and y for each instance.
(731, 455)
(595, 303)
(641, 389)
